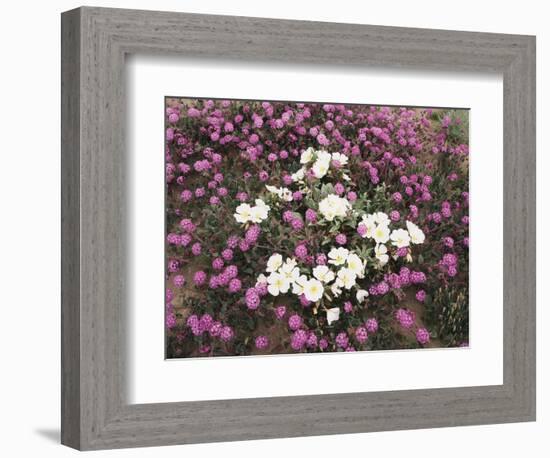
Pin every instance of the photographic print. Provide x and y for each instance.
(305, 227)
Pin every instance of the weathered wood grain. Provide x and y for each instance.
(95, 42)
(70, 229)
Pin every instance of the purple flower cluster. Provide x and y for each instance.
(449, 264)
(342, 340)
(261, 342)
(252, 234)
(422, 336)
(405, 317)
(252, 299)
(361, 334)
(294, 322)
(298, 339)
(371, 325)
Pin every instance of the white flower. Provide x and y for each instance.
(361, 295)
(341, 158)
(286, 194)
(272, 189)
(346, 177)
(369, 223)
(381, 218)
(333, 205)
(289, 270)
(313, 290)
(277, 283)
(338, 256)
(307, 155)
(323, 273)
(290, 273)
(299, 175)
(261, 204)
(320, 168)
(356, 265)
(333, 314)
(346, 277)
(381, 233)
(274, 262)
(298, 285)
(400, 238)
(323, 156)
(261, 279)
(243, 213)
(336, 288)
(289, 265)
(380, 251)
(416, 234)
(257, 214)
(283, 193)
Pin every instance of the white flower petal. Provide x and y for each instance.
(333, 314)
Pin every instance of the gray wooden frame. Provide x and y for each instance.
(95, 413)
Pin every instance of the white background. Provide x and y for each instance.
(155, 380)
(29, 233)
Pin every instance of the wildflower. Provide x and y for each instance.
(196, 248)
(300, 251)
(333, 206)
(226, 333)
(294, 322)
(307, 156)
(418, 277)
(298, 339)
(342, 340)
(346, 278)
(400, 238)
(355, 265)
(179, 281)
(261, 342)
(405, 318)
(372, 325)
(243, 213)
(361, 334)
(298, 285)
(361, 295)
(234, 285)
(381, 253)
(333, 314)
(199, 278)
(338, 256)
(311, 216)
(341, 239)
(321, 259)
(422, 336)
(323, 274)
(277, 284)
(227, 254)
(415, 233)
(217, 264)
(280, 312)
(340, 158)
(313, 290)
(252, 299)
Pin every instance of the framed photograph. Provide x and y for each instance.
(277, 245)
(279, 228)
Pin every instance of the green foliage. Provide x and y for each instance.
(447, 315)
